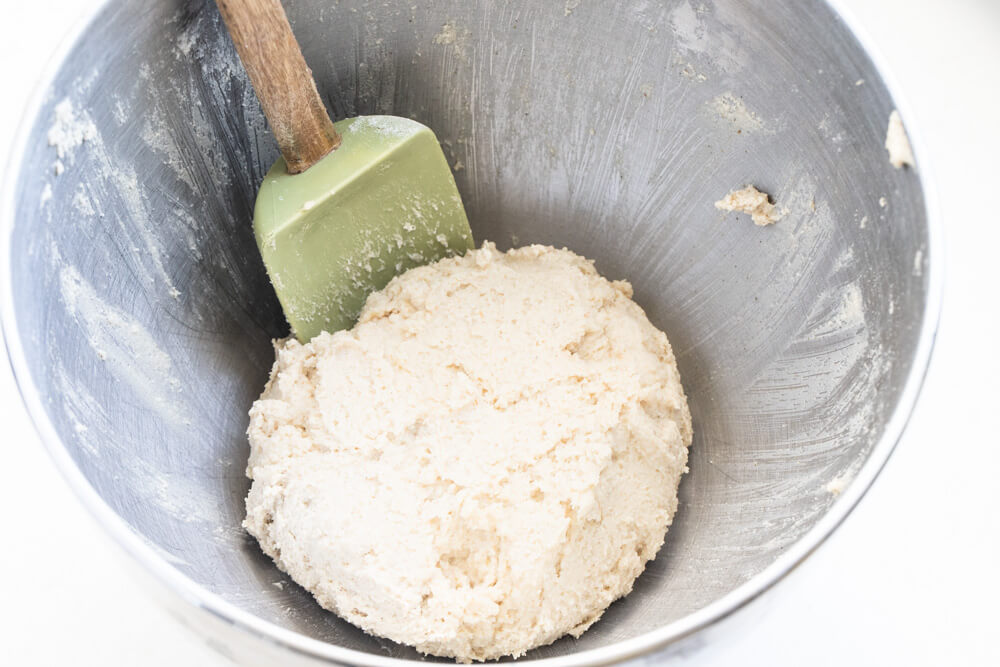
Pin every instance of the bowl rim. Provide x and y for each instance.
(201, 598)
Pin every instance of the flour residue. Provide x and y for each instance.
(570, 6)
(688, 28)
(80, 408)
(387, 126)
(117, 197)
(447, 34)
(850, 311)
(688, 70)
(130, 352)
(186, 41)
(455, 36)
(844, 260)
(706, 38)
(119, 110)
(81, 203)
(135, 359)
(69, 130)
(158, 139)
(733, 110)
(832, 132)
(840, 310)
(133, 217)
(176, 494)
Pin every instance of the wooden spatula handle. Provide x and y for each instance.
(282, 80)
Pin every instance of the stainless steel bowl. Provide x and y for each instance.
(139, 318)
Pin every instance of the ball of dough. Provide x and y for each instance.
(483, 464)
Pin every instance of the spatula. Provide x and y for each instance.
(350, 204)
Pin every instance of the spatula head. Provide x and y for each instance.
(382, 203)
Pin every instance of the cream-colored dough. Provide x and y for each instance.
(483, 464)
(753, 202)
(896, 142)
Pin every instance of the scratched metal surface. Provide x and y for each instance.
(609, 128)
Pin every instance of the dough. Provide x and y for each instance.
(752, 201)
(896, 142)
(483, 464)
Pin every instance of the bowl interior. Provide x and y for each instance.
(609, 128)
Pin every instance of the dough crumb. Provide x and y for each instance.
(483, 464)
(837, 485)
(752, 201)
(897, 144)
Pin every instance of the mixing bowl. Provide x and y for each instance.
(139, 318)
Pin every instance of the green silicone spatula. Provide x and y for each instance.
(350, 204)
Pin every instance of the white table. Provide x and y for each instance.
(910, 579)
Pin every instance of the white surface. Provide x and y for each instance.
(910, 579)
